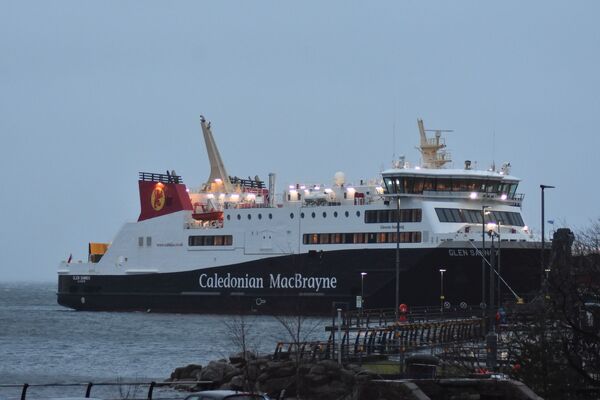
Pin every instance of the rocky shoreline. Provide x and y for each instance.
(326, 380)
(318, 379)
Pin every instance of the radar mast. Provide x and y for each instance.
(432, 149)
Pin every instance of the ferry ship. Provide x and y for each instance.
(419, 235)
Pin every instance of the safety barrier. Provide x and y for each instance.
(89, 385)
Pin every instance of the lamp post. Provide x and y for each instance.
(483, 212)
(397, 256)
(498, 262)
(542, 266)
(491, 338)
(362, 293)
(442, 270)
(491, 313)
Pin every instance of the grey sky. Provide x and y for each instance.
(93, 92)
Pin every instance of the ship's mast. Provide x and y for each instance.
(432, 149)
(218, 179)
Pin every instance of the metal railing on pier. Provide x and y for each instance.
(361, 342)
(357, 319)
(89, 385)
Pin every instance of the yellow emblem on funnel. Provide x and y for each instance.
(157, 199)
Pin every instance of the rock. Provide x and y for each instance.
(354, 367)
(242, 357)
(253, 372)
(346, 376)
(183, 373)
(317, 370)
(217, 371)
(195, 374)
(275, 365)
(283, 371)
(316, 379)
(330, 365)
(232, 372)
(304, 369)
(263, 377)
(276, 385)
(237, 383)
(331, 390)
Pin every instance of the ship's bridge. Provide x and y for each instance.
(452, 183)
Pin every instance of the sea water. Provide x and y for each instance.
(42, 342)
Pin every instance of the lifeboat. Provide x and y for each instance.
(208, 216)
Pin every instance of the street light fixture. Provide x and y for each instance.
(442, 270)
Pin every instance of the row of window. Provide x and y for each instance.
(355, 238)
(249, 216)
(383, 216)
(302, 215)
(475, 216)
(212, 240)
(417, 185)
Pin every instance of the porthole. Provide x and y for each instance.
(259, 216)
(292, 215)
(228, 217)
(249, 216)
(358, 213)
(301, 215)
(313, 215)
(335, 214)
(239, 217)
(324, 214)
(270, 216)
(347, 214)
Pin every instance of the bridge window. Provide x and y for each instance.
(456, 215)
(420, 184)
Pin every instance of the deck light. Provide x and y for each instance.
(473, 195)
(504, 196)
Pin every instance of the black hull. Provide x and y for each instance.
(420, 283)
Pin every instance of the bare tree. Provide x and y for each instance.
(299, 329)
(556, 348)
(246, 339)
